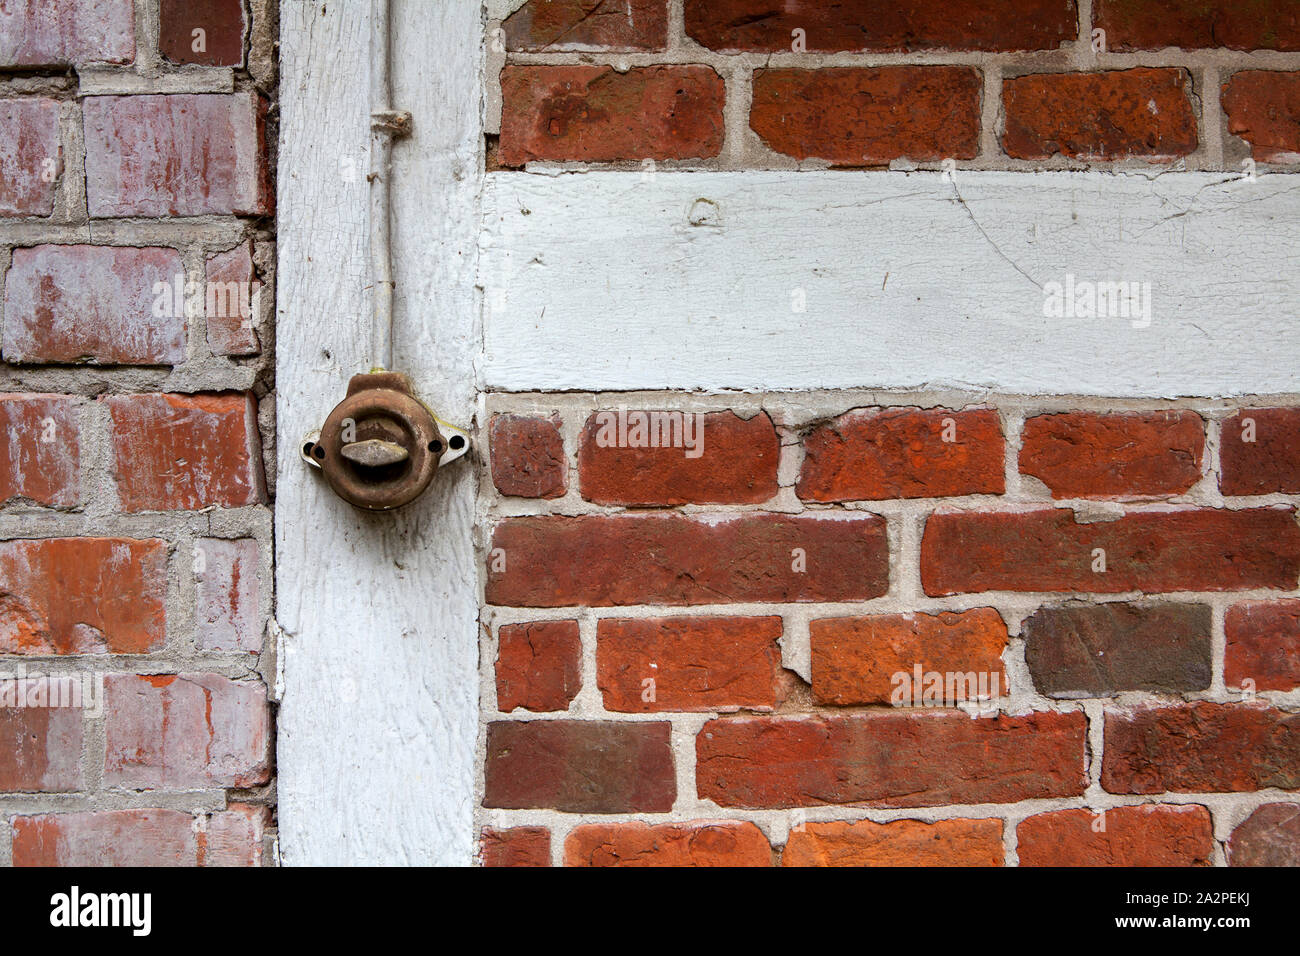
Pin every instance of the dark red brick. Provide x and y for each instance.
(222, 23)
(1263, 108)
(1191, 549)
(724, 843)
(580, 766)
(612, 560)
(1259, 452)
(1133, 836)
(595, 25)
(539, 665)
(1199, 24)
(1201, 747)
(1263, 645)
(527, 454)
(517, 846)
(1268, 837)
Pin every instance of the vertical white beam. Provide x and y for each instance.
(378, 717)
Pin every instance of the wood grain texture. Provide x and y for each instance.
(379, 712)
(620, 280)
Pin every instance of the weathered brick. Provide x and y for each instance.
(527, 454)
(587, 25)
(868, 116)
(760, 26)
(539, 665)
(151, 837)
(897, 843)
(605, 560)
(1197, 24)
(185, 731)
(41, 445)
(580, 766)
(106, 838)
(62, 32)
(1268, 837)
(1087, 455)
(696, 459)
(30, 155)
(889, 759)
(40, 746)
(1133, 836)
(1263, 108)
(229, 302)
(228, 595)
(1263, 645)
(185, 154)
(1259, 452)
(596, 114)
(82, 596)
(185, 451)
(1111, 115)
(233, 837)
(221, 42)
(97, 304)
(855, 659)
(693, 663)
(1191, 549)
(722, 843)
(875, 454)
(1201, 747)
(1098, 650)
(517, 846)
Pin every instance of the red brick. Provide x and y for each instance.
(40, 747)
(728, 460)
(1199, 24)
(1099, 650)
(868, 116)
(1263, 108)
(517, 846)
(1263, 457)
(854, 659)
(227, 595)
(1268, 837)
(185, 731)
(222, 23)
(539, 665)
(30, 155)
(1086, 455)
(759, 26)
(1263, 645)
(876, 454)
(898, 843)
(591, 25)
(95, 304)
(580, 766)
(1189, 549)
(42, 448)
(889, 759)
(233, 836)
(527, 454)
(611, 560)
(1201, 747)
(724, 843)
(187, 154)
(229, 302)
(1112, 115)
(106, 838)
(62, 32)
(83, 596)
(150, 837)
(185, 451)
(1133, 836)
(696, 663)
(596, 114)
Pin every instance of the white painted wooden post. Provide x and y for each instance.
(379, 688)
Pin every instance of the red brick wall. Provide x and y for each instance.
(136, 430)
(1016, 84)
(694, 647)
